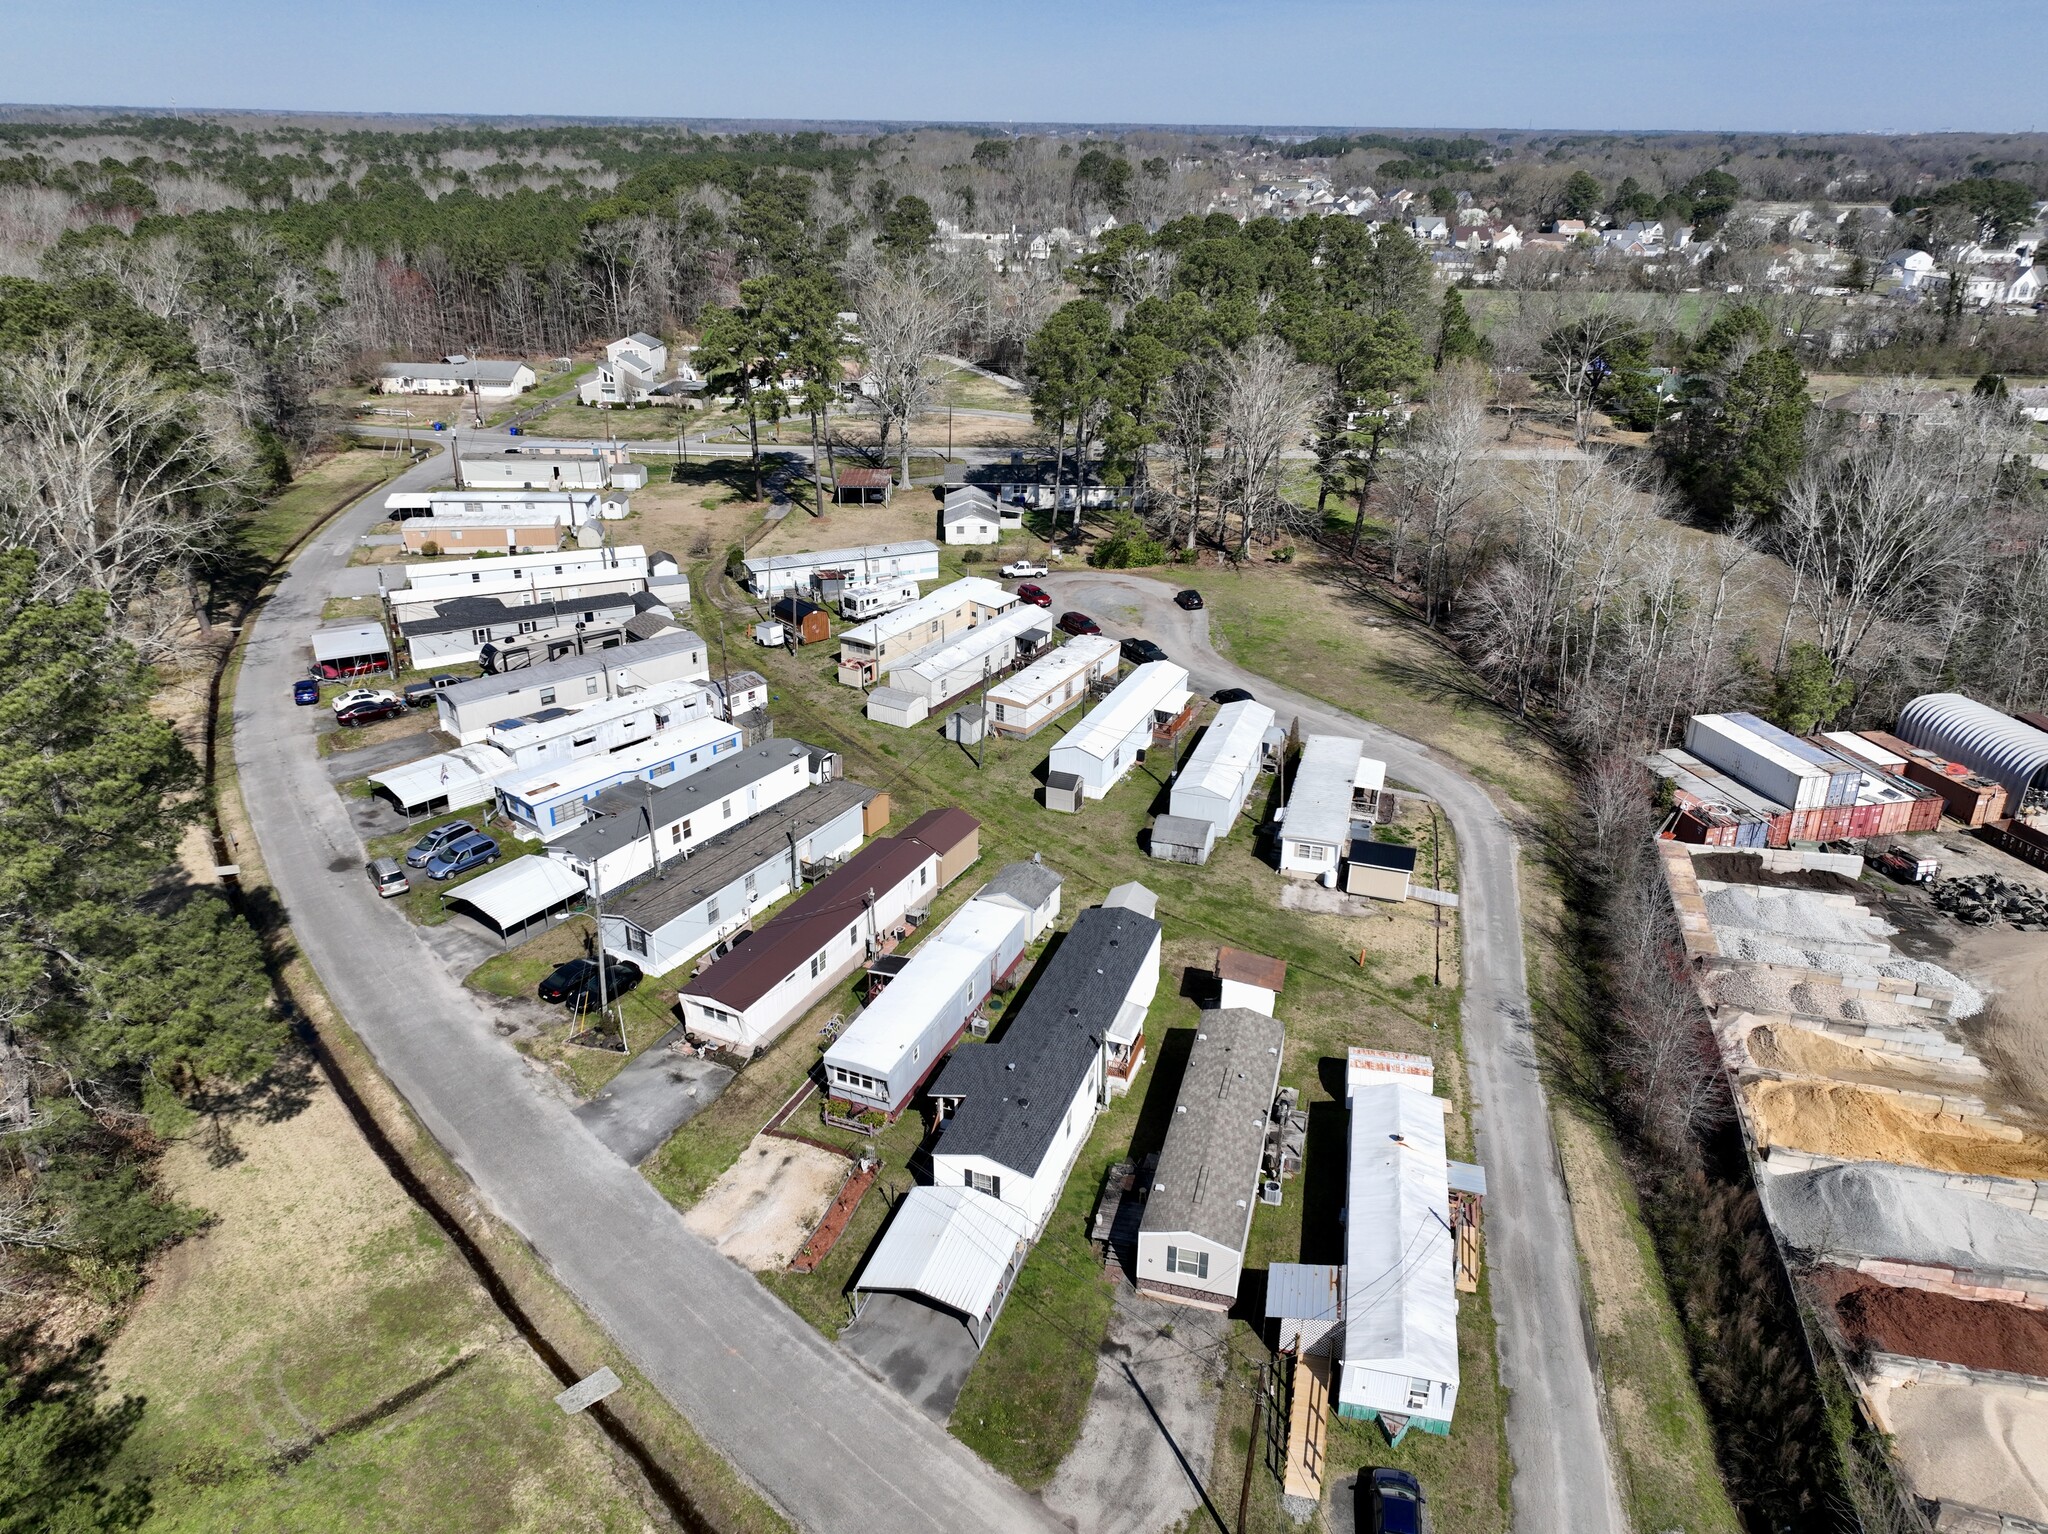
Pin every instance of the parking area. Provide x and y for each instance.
(654, 1096)
(765, 1207)
(924, 1353)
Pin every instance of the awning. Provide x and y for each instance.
(951, 1245)
(461, 777)
(522, 889)
(350, 641)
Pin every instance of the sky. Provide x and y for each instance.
(1787, 65)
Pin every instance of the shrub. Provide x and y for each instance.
(972, 557)
(431, 549)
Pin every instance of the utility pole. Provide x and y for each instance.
(604, 1004)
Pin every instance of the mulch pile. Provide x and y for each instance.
(1978, 1334)
(1748, 868)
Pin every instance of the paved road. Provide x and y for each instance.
(1563, 1479)
(833, 1447)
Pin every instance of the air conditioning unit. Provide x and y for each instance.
(1269, 1191)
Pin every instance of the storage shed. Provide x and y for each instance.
(1198, 1212)
(892, 705)
(1380, 870)
(1217, 778)
(1249, 980)
(967, 724)
(1181, 839)
(1023, 704)
(807, 620)
(1063, 792)
(954, 837)
(1116, 733)
(863, 486)
(350, 649)
(1983, 739)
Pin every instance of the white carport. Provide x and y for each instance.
(956, 1247)
(453, 780)
(510, 896)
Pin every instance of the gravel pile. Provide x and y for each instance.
(1869, 1209)
(1762, 949)
(1762, 990)
(1981, 899)
(1796, 914)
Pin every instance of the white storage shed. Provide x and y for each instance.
(1218, 775)
(1113, 735)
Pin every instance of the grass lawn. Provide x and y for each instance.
(423, 902)
(321, 487)
(970, 391)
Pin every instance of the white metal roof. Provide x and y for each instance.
(549, 783)
(938, 967)
(547, 723)
(467, 773)
(1157, 685)
(1400, 1295)
(1319, 805)
(1980, 737)
(1864, 748)
(969, 648)
(1371, 774)
(442, 576)
(1749, 740)
(951, 1245)
(520, 890)
(837, 557)
(973, 588)
(1051, 671)
(1229, 751)
(345, 641)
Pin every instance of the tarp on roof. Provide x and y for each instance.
(462, 777)
(951, 1245)
(512, 895)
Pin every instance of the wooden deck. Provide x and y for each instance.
(1308, 1428)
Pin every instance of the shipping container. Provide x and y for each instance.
(1844, 778)
(1757, 763)
(1973, 800)
(1696, 784)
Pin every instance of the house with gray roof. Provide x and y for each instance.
(469, 709)
(488, 379)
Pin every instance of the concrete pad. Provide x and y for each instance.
(763, 1210)
(923, 1352)
(656, 1094)
(355, 581)
(381, 755)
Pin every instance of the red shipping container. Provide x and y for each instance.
(1865, 821)
(1926, 814)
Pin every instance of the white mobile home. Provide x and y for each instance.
(634, 826)
(700, 901)
(1198, 1212)
(1315, 828)
(552, 469)
(1399, 1357)
(899, 1039)
(1025, 703)
(744, 1000)
(1117, 731)
(773, 575)
(1218, 776)
(467, 711)
(477, 577)
(485, 378)
(556, 798)
(869, 649)
(988, 650)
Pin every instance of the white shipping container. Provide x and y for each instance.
(1756, 763)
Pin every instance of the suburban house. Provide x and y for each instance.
(634, 371)
(898, 1040)
(549, 802)
(469, 709)
(350, 649)
(507, 635)
(986, 651)
(709, 897)
(1023, 704)
(744, 1000)
(552, 468)
(483, 377)
(1250, 981)
(970, 515)
(1910, 269)
(636, 827)
(771, 575)
(1014, 1113)
(1218, 776)
(869, 649)
(1315, 828)
(1150, 704)
(1398, 1362)
(1198, 1210)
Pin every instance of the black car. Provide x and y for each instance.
(368, 713)
(1398, 1505)
(1234, 695)
(1189, 600)
(1139, 652)
(1078, 623)
(575, 983)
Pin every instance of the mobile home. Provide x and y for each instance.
(987, 650)
(869, 649)
(468, 710)
(1218, 776)
(1117, 732)
(1023, 704)
(555, 799)
(1315, 828)
(772, 575)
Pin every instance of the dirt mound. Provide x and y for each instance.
(1978, 1334)
(1803, 1052)
(1859, 1123)
(1748, 868)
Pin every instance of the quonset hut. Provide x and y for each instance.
(1984, 740)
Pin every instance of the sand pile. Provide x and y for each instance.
(1981, 1444)
(1794, 915)
(1805, 1052)
(1978, 1334)
(1869, 1209)
(1861, 1123)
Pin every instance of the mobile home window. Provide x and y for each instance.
(675, 833)
(481, 636)
(589, 690)
(711, 912)
(1418, 1394)
(1194, 1264)
(636, 940)
(986, 1182)
(547, 695)
(817, 965)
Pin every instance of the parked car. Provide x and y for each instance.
(386, 877)
(1037, 596)
(305, 691)
(575, 983)
(1899, 864)
(369, 713)
(1023, 570)
(420, 694)
(1233, 695)
(461, 855)
(1189, 600)
(1140, 651)
(435, 840)
(1078, 623)
(357, 695)
(1397, 1503)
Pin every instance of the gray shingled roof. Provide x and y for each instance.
(1209, 1166)
(1015, 1090)
(615, 819)
(479, 612)
(568, 667)
(1029, 884)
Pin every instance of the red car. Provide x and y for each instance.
(368, 713)
(1079, 623)
(1037, 596)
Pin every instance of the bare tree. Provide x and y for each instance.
(1266, 399)
(1189, 412)
(1573, 360)
(1439, 485)
(905, 316)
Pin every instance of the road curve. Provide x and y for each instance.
(1563, 1478)
(830, 1445)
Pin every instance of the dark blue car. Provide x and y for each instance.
(305, 691)
(1398, 1505)
(461, 855)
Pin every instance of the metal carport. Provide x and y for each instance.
(509, 897)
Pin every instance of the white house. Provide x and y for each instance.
(1198, 1211)
(989, 649)
(1315, 828)
(697, 902)
(1023, 704)
(1398, 1362)
(487, 379)
(1111, 736)
(745, 999)
(633, 371)
(1911, 269)
(552, 800)
(469, 709)
(1014, 1113)
(775, 575)
(505, 635)
(1218, 775)
(1430, 228)
(970, 516)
